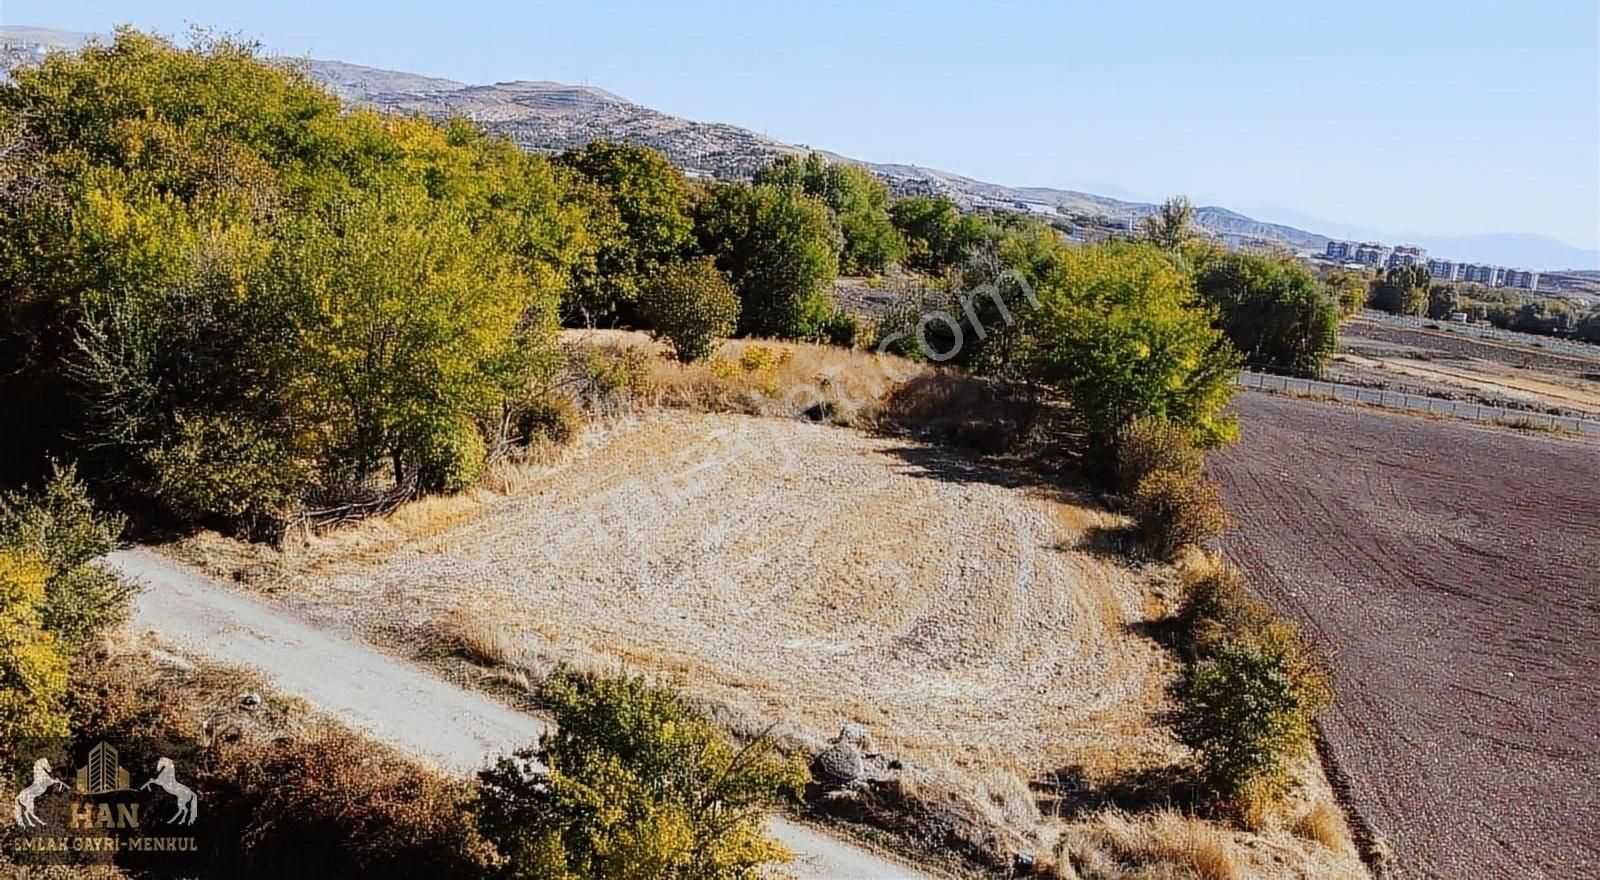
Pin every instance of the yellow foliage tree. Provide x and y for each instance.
(33, 669)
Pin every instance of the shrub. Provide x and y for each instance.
(551, 418)
(33, 669)
(1248, 709)
(220, 470)
(822, 321)
(637, 785)
(1147, 445)
(1177, 509)
(59, 526)
(691, 305)
(451, 459)
(1215, 607)
(333, 804)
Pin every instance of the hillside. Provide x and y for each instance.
(550, 117)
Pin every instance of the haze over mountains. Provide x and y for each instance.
(550, 116)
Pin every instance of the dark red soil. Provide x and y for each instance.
(1453, 574)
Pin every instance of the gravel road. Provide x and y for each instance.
(386, 697)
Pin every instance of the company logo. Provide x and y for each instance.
(100, 811)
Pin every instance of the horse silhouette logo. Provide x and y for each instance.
(188, 803)
(42, 782)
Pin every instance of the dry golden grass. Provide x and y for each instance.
(1118, 846)
(1324, 823)
(482, 636)
(762, 377)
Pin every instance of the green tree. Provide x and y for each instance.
(859, 202)
(1170, 225)
(631, 782)
(244, 293)
(779, 250)
(937, 237)
(1403, 290)
(640, 217)
(1273, 312)
(1118, 330)
(691, 305)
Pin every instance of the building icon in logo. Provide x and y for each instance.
(103, 774)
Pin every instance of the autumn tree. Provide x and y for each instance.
(640, 219)
(1170, 224)
(859, 203)
(779, 250)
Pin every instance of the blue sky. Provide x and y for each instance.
(1445, 118)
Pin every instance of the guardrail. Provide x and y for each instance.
(1485, 331)
(1417, 403)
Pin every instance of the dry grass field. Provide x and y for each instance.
(807, 575)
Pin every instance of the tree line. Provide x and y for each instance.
(228, 297)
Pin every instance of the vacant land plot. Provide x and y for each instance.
(798, 572)
(1454, 572)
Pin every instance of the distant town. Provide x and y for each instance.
(1372, 254)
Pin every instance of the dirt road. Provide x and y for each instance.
(389, 698)
(1452, 572)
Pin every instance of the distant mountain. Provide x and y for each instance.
(550, 117)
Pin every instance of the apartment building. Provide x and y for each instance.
(1406, 255)
(1444, 270)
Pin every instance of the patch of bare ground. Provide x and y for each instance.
(805, 576)
(1449, 570)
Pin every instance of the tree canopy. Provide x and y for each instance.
(243, 293)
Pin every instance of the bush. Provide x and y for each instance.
(33, 668)
(637, 785)
(1151, 444)
(59, 527)
(822, 321)
(691, 305)
(451, 459)
(1248, 709)
(1177, 509)
(551, 418)
(333, 804)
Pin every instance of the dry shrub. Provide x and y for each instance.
(755, 377)
(1148, 445)
(550, 419)
(953, 407)
(1117, 846)
(282, 797)
(482, 637)
(335, 804)
(1324, 823)
(944, 815)
(1176, 510)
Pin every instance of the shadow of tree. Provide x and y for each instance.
(1074, 790)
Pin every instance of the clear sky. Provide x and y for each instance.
(1448, 118)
